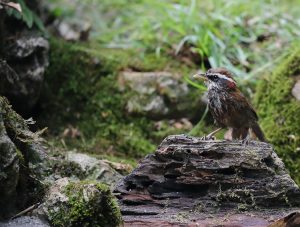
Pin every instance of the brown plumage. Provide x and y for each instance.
(228, 106)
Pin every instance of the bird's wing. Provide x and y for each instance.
(242, 105)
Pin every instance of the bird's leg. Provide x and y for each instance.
(246, 138)
(211, 135)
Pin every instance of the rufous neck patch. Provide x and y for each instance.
(231, 84)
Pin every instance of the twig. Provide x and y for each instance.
(26, 210)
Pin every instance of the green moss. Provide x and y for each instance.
(25, 146)
(20, 156)
(95, 207)
(18, 131)
(81, 90)
(279, 111)
(14, 123)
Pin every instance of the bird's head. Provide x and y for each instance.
(218, 77)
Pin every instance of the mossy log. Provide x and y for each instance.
(188, 180)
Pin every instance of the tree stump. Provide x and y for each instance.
(197, 183)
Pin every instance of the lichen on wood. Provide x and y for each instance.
(202, 178)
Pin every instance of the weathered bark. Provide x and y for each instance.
(192, 181)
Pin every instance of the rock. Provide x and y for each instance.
(191, 181)
(23, 71)
(8, 76)
(159, 95)
(296, 90)
(73, 31)
(9, 171)
(24, 58)
(93, 168)
(74, 28)
(25, 221)
(28, 45)
(22, 157)
(80, 204)
(79, 166)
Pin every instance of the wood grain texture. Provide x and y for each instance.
(191, 181)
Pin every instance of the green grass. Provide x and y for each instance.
(244, 36)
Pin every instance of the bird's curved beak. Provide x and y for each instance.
(201, 76)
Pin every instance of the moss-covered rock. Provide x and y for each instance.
(21, 162)
(279, 111)
(81, 204)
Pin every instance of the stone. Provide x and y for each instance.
(75, 28)
(159, 95)
(93, 168)
(27, 60)
(73, 31)
(24, 59)
(8, 76)
(296, 90)
(25, 221)
(9, 171)
(197, 183)
(83, 203)
(29, 57)
(28, 45)
(22, 162)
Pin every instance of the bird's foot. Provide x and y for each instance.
(208, 137)
(246, 141)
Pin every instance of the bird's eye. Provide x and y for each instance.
(213, 77)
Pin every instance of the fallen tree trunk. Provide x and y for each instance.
(197, 182)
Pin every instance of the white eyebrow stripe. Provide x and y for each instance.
(221, 76)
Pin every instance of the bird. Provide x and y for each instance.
(229, 107)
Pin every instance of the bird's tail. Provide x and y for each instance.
(258, 132)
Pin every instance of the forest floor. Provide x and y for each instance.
(99, 112)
